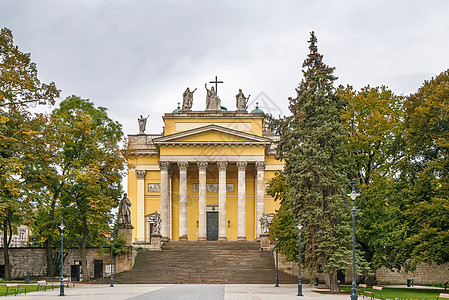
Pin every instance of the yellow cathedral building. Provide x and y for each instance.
(205, 176)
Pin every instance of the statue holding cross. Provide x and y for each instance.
(213, 102)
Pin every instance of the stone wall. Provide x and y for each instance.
(32, 262)
(424, 274)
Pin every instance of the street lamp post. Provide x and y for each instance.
(353, 205)
(112, 262)
(299, 257)
(62, 226)
(277, 263)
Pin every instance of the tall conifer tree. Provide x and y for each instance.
(313, 148)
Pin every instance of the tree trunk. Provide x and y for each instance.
(49, 241)
(49, 257)
(83, 251)
(6, 242)
(333, 282)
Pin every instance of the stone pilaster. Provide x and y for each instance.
(260, 194)
(222, 165)
(241, 230)
(202, 226)
(140, 234)
(182, 165)
(164, 166)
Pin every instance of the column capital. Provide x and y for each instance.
(241, 165)
(164, 165)
(222, 165)
(260, 165)
(183, 165)
(140, 174)
(202, 165)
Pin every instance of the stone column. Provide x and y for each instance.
(170, 202)
(222, 165)
(241, 231)
(260, 194)
(164, 166)
(202, 226)
(182, 165)
(140, 174)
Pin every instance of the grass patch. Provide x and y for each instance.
(29, 288)
(139, 248)
(405, 293)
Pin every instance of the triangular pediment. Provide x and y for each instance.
(212, 134)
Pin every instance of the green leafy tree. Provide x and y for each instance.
(86, 144)
(313, 148)
(283, 223)
(19, 89)
(408, 196)
(373, 119)
(46, 177)
(426, 211)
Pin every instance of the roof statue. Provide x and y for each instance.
(212, 100)
(241, 100)
(187, 99)
(142, 124)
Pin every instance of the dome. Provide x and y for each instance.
(223, 108)
(257, 110)
(177, 110)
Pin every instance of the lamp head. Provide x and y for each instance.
(299, 226)
(353, 193)
(62, 227)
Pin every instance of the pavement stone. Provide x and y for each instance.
(183, 292)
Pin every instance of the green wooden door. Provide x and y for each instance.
(212, 226)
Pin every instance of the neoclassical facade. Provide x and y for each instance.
(205, 175)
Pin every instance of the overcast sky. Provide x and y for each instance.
(138, 57)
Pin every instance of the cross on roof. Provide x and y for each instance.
(216, 84)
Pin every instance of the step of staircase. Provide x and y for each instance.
(204, 262)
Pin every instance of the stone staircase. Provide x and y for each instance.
(204, 262)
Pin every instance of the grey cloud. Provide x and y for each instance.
(137, 57)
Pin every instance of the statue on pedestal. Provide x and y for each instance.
(124, 211)
(264, 224)
(187, 99)
(142, 124)
(157, 223)
(212, 100)
(241, 100)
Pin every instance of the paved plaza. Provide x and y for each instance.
(183, 292)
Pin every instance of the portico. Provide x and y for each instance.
(205, 191)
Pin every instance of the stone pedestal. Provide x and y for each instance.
(264, 242)
(126, 231)
(156, 242)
